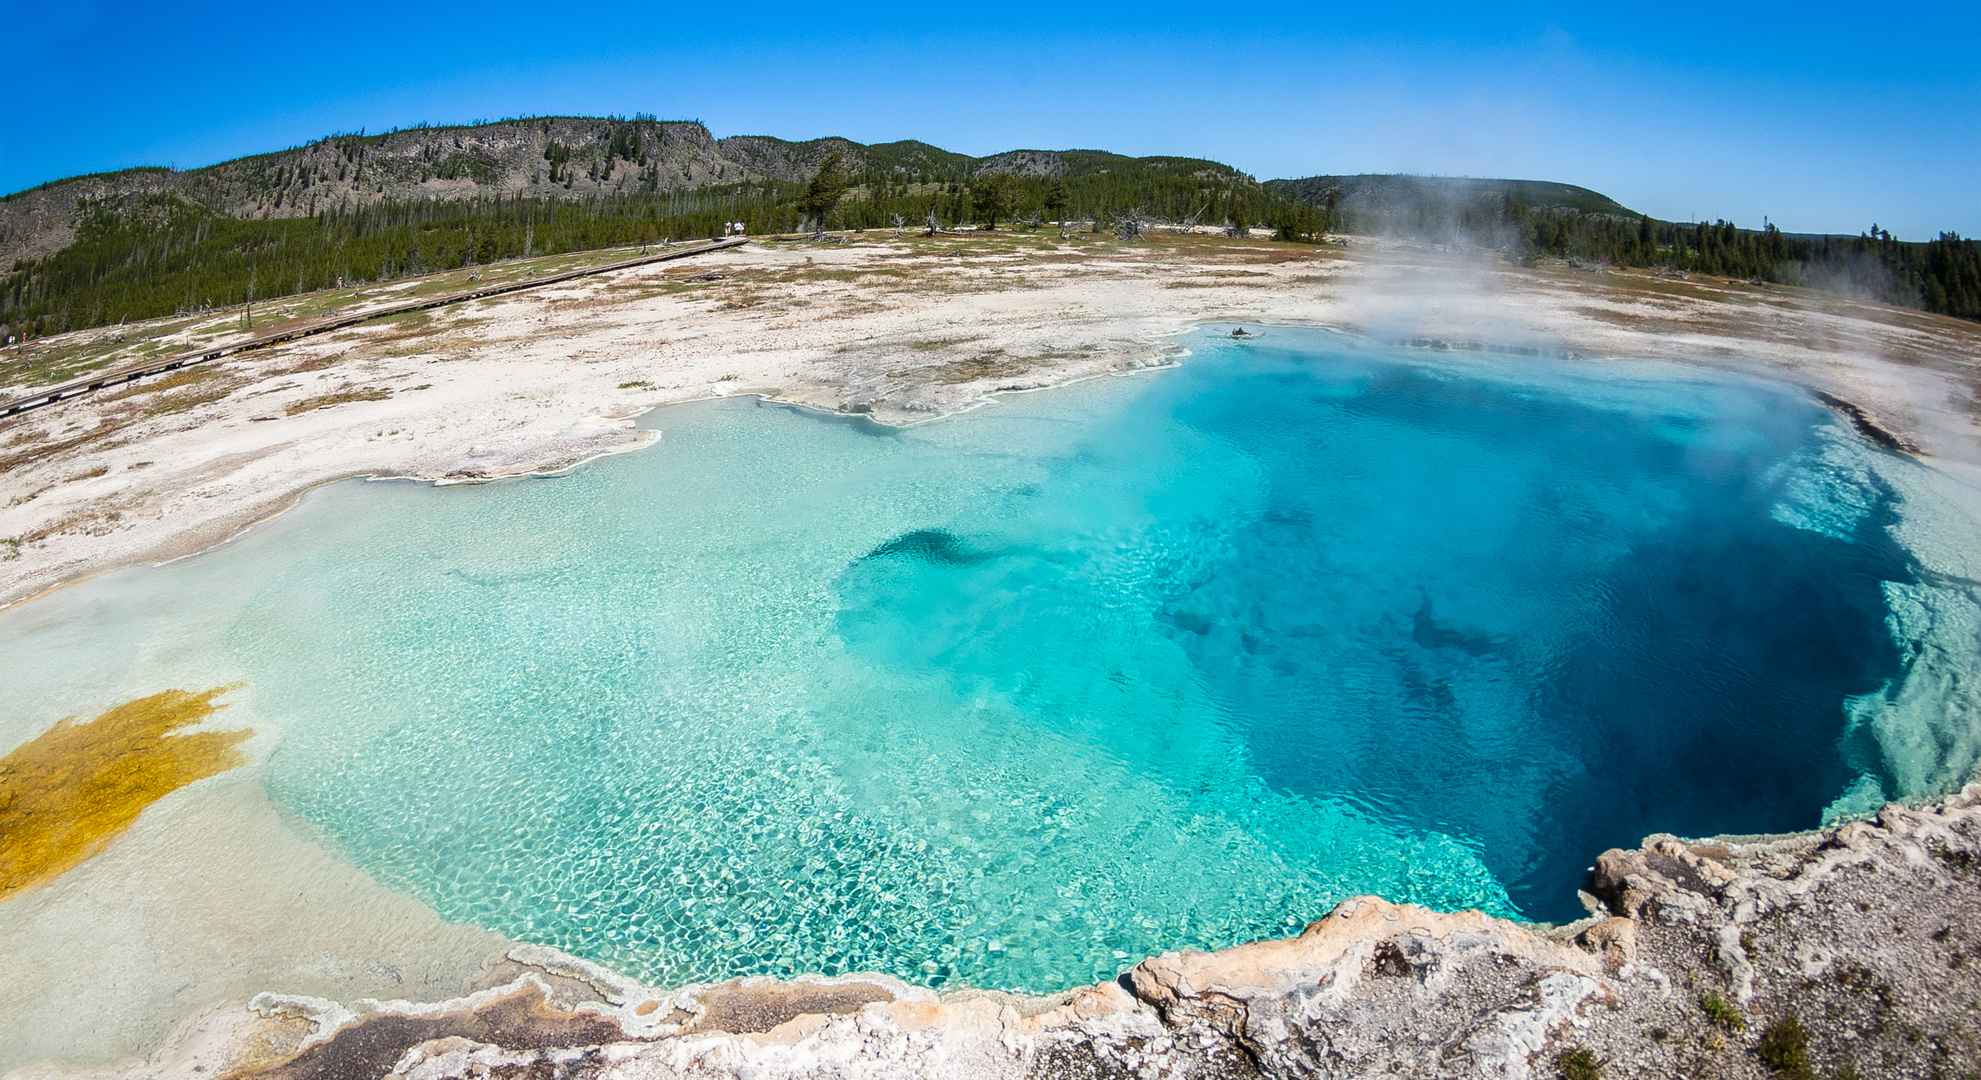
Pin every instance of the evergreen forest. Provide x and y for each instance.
(1941, 275)
(165, 253)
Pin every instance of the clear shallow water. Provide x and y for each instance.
(1014, 698)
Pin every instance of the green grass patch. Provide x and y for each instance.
(1721, 1012)
(1580, 1063)
(174, 381)
(1784, 1048)
(942, 343)
(339, 397)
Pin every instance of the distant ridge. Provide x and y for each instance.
(578, 157)
(555, 157)
(1394, 193)
(1528, 220)
(148, 242)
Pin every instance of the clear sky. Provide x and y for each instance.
(1821, 117)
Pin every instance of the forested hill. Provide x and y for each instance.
(150, 242)
(1406, 198)
(144, 243)
(1530, 220)
(554, 159)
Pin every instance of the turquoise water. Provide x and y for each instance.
(1015, 698)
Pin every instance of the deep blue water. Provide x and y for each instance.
(1546, 624)
(1547, 618)
(1016, 698)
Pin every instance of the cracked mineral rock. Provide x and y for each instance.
(1847, 952)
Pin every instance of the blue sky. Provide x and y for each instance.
(1819, 117)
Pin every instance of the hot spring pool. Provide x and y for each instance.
(1015, 698)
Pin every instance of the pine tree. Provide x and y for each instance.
(994, 194)
(828, 185)
(1239, 213)
(1058, 198)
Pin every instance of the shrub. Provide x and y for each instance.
(1720, 1012)
(1785, 1049)
(1580, 1063)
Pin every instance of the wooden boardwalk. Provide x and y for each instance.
(133, 372)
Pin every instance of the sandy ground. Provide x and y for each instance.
(116, 954)
(907, 330)
(108, 960)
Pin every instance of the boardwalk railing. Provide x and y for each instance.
(133, 372)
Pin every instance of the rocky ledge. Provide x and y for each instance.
(1845, 953)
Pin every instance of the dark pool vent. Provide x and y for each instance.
(938, 547)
